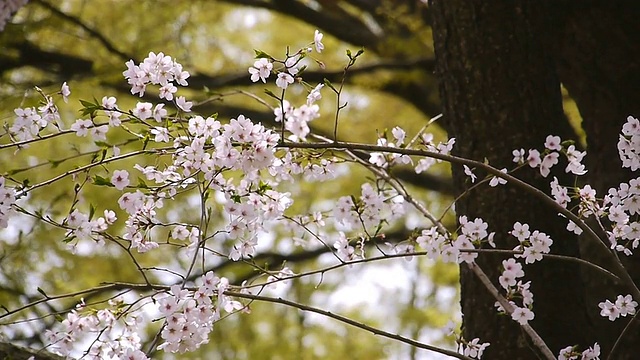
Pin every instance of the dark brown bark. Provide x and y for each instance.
(598, 59)
(500, 91)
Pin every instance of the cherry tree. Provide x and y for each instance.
(240, 171)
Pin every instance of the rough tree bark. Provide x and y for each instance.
(598, 60)
(500, 92)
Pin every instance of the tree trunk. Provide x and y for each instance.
(598, 60)
(500, 92)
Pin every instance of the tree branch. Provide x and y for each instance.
(29, 55)
(350, 29)
(349, 321)
(89, 30)
(16, 352)
(243, 79)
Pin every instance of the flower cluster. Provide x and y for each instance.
(296, 120)
(141, 209)
(371, 209)
(29, 121)
(212, 147)
(516, 289)
(571, 353)
(118, 333)
(7, 199)
(474, 349)
(443, 148)
(261, 70)
(623, 306)
(81, 227)
(190, 315)
(629, 144)
(157, 69)
(545, 161)
(472, 233)
(533, 245)
(345, 251)
(622, 208)
(263, 66)
(385, 160)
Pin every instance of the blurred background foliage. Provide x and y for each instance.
(86, 44)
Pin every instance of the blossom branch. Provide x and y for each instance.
(537, 340)
(619, 267)
(349, 321)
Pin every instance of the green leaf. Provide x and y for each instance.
(90, 108)
(68, 240)
(42, 292)
(55, 163)
(270, 93)
(100, 181)
(261, 54)
(92, 211)
(87, 104)
(142, 184)
(103, 154)
(263, 187)
(145, 141)
(330, 85)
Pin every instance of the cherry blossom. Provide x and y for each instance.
(522, 315)
(317, 41)
(183, 104)
(518, 156)
(495, 181)
(261, 70)
(81, 127)
(7, 199)
(284, 80)
(474, 349)
(65, 92)
(143, 110)
(469, 173)
(120, 179)
(553, 143)
(314, 95)
(623, 306)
